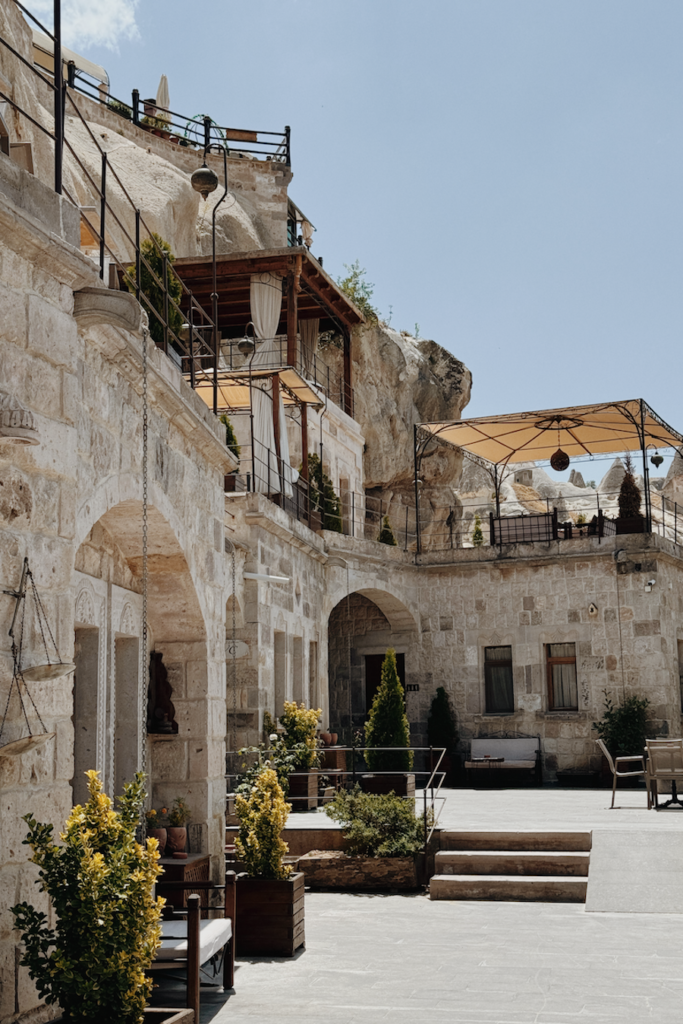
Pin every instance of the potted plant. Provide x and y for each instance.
(382, 843)
(623, 728)
(299, 738)
(387, 726)
(92, 956)
(270, 899)
(178, 817)
(232, 444)
(155, 829)
(442, 732)
(630, 519)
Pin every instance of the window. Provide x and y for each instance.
(562, 689)
(498, 680)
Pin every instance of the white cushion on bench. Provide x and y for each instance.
(513, 750)
(213, 935)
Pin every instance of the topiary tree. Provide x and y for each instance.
(230, 436)
(100, 881)
(262, 816)
(152, 293)
(323, 496)
(387, 724)
(441, 728)
(629, 493)
(386, 534)
(477, 534)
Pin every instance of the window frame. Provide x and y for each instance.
(550, 661)
(498, 664)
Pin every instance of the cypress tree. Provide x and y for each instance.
(230, 436)
(441, 728)
(323, 496)
(386, 534)
(477, 534)
(629, 493)
(387, 724)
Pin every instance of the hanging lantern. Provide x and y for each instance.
(657, 460)
(559, 460)
(204, 181)
(247, 344)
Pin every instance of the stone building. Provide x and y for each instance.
(249, 601)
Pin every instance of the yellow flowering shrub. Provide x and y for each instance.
(300, 725)
(100, 881)
(262, 816)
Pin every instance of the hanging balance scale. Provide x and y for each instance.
(48, 670)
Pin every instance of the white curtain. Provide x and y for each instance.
(266, 302)
(308, 331)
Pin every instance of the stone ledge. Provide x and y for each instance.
(333, 869)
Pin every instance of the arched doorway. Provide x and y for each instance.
(109, 715)
(360, 629)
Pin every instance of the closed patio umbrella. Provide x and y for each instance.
(163, 100)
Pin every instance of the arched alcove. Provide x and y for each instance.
(360, 629)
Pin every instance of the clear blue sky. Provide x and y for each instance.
(508, 171)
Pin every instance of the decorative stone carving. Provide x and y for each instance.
(85, 609)
(16, 422)
(127, 625)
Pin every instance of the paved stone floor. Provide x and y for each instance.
(408, 960)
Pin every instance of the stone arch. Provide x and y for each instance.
(361, 627)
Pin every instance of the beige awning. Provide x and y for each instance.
(578, 430)
(233, 389)
(44, 57)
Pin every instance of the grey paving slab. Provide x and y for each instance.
(636, 871)
(408, 960)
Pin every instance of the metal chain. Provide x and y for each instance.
(234, 654)
(142, 696)
(42, 618)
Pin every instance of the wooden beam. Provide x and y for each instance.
(292, 318)
(348, 381)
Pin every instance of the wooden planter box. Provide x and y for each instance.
(157, 1015)
(270, 916)
(334, 869)
(303, 790)
(402, 785)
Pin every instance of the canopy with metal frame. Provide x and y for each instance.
(554, 435)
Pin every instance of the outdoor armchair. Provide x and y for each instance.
(664, 764)
(617, 770)
(191, 940)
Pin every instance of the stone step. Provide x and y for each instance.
(563, 841)
(511, 862)
(527, 888)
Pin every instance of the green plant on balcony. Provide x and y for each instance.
(477, 533)
(323, 496)
(122, 109)
(230, 436)
(153, 250)
(387, 724)
(262, 816)
(100, 881)
(386, 534)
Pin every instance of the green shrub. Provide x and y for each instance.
(377, 825)
(386, 534)
(100, 882)
(387, 724)
(122, 109)
(323, 496)
(230, 436)
(629, 493)
(441, 728)
(360, 291)
(262, 816)
(152, 294)
(623, 727)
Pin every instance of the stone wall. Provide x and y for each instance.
(71, 354)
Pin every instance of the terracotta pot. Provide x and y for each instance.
(326, 737)
(160, 835)
(335, 737)
(177, 840)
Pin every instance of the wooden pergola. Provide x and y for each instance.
(308, 294)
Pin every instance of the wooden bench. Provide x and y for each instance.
(188, 942)
(518, 754)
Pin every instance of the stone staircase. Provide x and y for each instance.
(544, 867)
